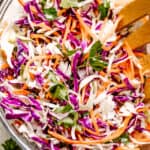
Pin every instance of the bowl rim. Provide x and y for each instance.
(11, 131)
(18, 137)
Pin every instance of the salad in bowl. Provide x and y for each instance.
(67, 80)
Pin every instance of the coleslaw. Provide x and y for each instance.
(68, 81)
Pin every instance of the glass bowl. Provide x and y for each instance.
(8, 11)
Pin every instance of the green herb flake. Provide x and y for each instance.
(124, 138)
(59, 91)
(10, 145)
(97, 64)
(68, 3)
(103, 9)
(78, 128)
(43, 2)
(95, 57)
(96, 49)
(52, 77)
(69, 121)
(63, 109)
(75, 116)
(66, 122)
(22, 70)
(50, 13)
(71, 52)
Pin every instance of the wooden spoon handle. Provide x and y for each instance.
(140, 36)
(133, 11)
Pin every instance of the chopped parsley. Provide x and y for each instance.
(66, 122)
(124, 138)
(52, 77)
(50, 13)
(68, 3)
(43, 2)
(69, 121)
(59, 91)
(10, 145)
(64, 109)
(103, 9)
(22, 70)
(95, 57)
(71, 52)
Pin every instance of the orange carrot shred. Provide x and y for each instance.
(94, 121)
(112, 136)
(21, 2)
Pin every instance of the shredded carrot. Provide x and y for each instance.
(17, 122)
(40, 36)
(10, 77)
(81, 101)
(115, 70)
(83, 34)
(130, 53)
(102, 73)
(79, 137)
(68, 25)
(109, 123)
(37, 41)
(21, 92)
(84, 26)
(128, 49)
(99, 1)
(122, 148)
(141, 137)
(122, 85)
(90, 131)
(129, 69)
(122, 64)
(24, 86)
(32, 8)
(3, 54)
(94, 121)
(46, 85)
(141, 76)
(32, 76)
(74, 24)
(56, 33)
(142, 109)
(125, 148)
(38, 97)
(102, 88)
(39, 58)
(148, 126)
(112, 136)
(60, 12)
(85, 57)
(139, 54)
(4, 66)
(21, 2)
(98, 116)
(57, 60)
(36, 58)
(107, 48)
(42, 25)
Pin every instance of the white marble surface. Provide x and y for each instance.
(3, 135)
